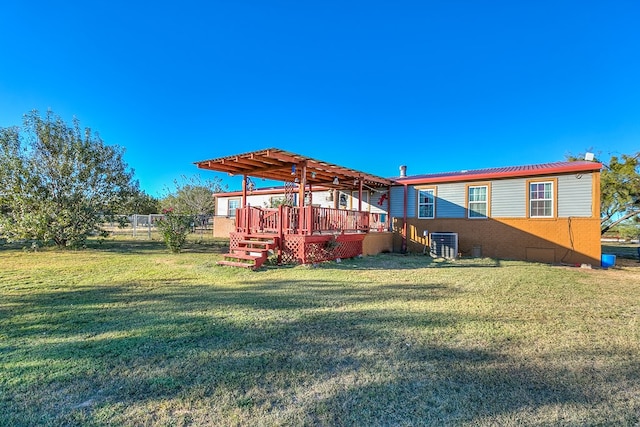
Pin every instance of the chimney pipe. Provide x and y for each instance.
(403, 171)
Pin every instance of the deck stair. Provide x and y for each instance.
(250, 252)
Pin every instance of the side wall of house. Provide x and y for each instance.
(223, 226)
(571, 236)
(562, 240)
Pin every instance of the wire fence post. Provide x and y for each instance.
(135, 225)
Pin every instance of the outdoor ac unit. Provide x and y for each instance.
(444, 245)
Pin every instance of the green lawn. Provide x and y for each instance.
(124, 333)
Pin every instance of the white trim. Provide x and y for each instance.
(432, 203)
(484, 202)
(531, 199)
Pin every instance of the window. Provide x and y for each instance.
(478, 197)
(342, 204)
(234, 204)
(541, 199)
(426, 204)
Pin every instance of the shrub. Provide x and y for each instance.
(174, 229)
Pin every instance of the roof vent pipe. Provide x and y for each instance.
(403, 171)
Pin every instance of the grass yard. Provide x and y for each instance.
(124, 333)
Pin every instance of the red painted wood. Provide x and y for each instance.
(304, 221)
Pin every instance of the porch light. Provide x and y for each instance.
(335, 180)
(313, 175)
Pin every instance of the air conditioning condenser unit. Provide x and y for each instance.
(444, 245)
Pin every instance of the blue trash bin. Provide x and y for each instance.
(608, 260)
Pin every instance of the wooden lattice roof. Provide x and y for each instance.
(279, 165)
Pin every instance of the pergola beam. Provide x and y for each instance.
(276, 164)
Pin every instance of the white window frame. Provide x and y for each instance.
(432, 203)
(232, 212)
(536, 200)
(471, 213)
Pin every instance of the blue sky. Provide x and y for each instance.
(435, 85)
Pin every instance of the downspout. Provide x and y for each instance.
(403, 248)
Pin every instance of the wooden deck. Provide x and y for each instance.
(300, 235)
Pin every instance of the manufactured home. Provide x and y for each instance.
(547, 212)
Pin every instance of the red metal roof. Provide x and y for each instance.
(502, 172)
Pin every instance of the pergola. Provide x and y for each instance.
(279, 165)
(302, 233)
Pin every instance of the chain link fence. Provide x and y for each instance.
(145, 226)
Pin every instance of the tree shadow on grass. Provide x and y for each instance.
(407, 262)
(156, 246)
(292, 352)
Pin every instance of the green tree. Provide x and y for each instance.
(193, 196)
(619, 190)
(629, 229)
(58, 182)
(141, 203)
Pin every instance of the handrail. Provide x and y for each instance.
(306, 220)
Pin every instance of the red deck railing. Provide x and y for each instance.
(306, 220)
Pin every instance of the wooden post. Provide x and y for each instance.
(404, 220)
(309, 219)
(388, 216)
(360, 195)
(311, 216)
(244, 191)
(302, 185)
(280, 232)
